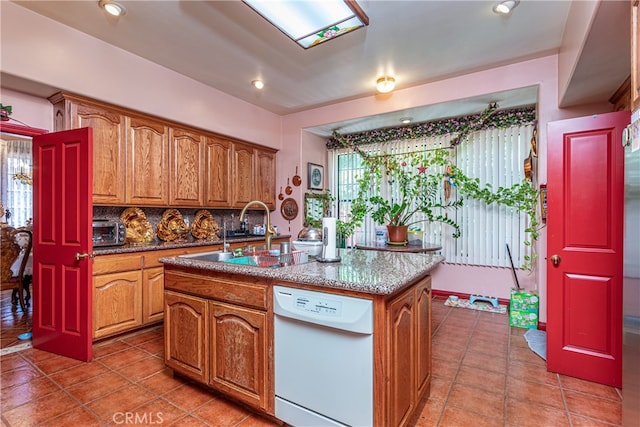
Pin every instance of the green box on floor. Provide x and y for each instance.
(521, 300)
(523, 309)
(523, 319)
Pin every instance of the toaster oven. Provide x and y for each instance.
(108, 232)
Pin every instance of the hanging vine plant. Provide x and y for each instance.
(418, 176)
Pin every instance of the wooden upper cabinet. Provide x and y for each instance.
(108, 144)
(266, 177)
(635, 55)
(218, 172)
(186, 169)
(147, 162)
(243, 174)
(141, 160)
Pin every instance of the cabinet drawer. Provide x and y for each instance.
(104, 264)
(241, 290)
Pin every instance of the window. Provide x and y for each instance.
(17, 194)
(494, 156)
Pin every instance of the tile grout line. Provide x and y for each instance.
(84, 405)
(444, 404)
(506, 381)
(60, 388)
(464, 353)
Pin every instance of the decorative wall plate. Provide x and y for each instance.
(204, 226)
(172, 226)
(138, 228)
(289, 209)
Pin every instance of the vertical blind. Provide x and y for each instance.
(495, 156)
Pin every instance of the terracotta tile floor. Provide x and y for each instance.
(13, 321)
(484, 375)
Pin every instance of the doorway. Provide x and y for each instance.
(585, 233)
(16, 196)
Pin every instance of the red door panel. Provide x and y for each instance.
(62, 213)
(585, 172)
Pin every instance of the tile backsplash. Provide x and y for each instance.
(154, 215)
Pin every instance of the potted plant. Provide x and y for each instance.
(417, 178)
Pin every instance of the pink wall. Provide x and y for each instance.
(30, 110)
(61, 57)
(67, 59)
(542, 72)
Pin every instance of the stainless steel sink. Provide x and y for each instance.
(216, 256)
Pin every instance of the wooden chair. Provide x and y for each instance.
(15, 251)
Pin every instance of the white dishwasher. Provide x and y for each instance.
(323, 345)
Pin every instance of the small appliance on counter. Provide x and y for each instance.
(309, 239)
(107, 232)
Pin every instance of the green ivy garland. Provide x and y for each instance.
(490, 118)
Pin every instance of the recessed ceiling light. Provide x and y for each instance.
(385, 84)
(505, 7)
(112, 8)
(405, 120)
(258, 84)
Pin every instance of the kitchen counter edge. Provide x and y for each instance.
(371, 272)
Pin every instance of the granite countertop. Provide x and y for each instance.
(159, 245)
(372, 272)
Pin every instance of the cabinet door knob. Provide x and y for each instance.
(555, 260)
(80, 256)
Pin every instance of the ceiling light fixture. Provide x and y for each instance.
(112, 8)
(505, 7)
(385, 84)
(405, 120)
(258, 84)
(310, 23)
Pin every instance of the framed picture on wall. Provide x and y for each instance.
(315, 178)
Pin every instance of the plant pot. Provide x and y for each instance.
(397, 233)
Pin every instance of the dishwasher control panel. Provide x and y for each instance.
(318, 305)
(324, 309)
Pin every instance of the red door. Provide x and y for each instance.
(585, 169)
(62, 212)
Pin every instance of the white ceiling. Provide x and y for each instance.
(226, 45)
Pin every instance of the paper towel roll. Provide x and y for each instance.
(329, 238)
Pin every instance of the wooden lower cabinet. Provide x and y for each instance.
(409, 352)
(128, 289)
(187, 353)
(402, 351)
(423, 335)
(117, 302)
(153, 295)
(239, 348)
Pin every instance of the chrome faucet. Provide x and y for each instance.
(269, 232)
(225, 245)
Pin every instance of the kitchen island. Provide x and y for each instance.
(219, 324)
